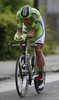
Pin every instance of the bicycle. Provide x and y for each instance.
(26, 70)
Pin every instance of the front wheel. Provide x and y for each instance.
(20, 78)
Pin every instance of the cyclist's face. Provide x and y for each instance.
(26, 21)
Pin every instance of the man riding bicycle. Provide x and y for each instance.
(30, 25)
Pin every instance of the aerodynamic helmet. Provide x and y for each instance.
(26, 11)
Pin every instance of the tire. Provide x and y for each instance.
(36, 81)
(20, 78)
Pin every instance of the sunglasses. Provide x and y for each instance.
(25, 19)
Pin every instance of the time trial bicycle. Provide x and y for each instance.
(26, 71)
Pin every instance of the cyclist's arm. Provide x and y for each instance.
(31, 33)
(19, 24)
(19, 32)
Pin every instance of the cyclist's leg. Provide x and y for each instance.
(40, 60)
(40, 57)
(39, 53)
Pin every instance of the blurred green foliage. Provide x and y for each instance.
(8, 27)
(7, 31)
(13, 5)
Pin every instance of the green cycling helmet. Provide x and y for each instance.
(26, 11)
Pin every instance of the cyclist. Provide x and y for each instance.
(30, 25)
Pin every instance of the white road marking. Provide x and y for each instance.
(52, 78)
(9, 86)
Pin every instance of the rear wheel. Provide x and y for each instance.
(36, 80)
(21, 77)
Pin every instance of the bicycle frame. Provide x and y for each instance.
(26, 55)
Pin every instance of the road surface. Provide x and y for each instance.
(50, 92)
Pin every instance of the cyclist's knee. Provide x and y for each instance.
(38, 49)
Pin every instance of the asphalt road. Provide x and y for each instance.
(50, 92)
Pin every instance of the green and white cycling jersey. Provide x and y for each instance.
(36, 23)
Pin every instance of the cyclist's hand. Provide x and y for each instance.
(23, 37)
(16, 37)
